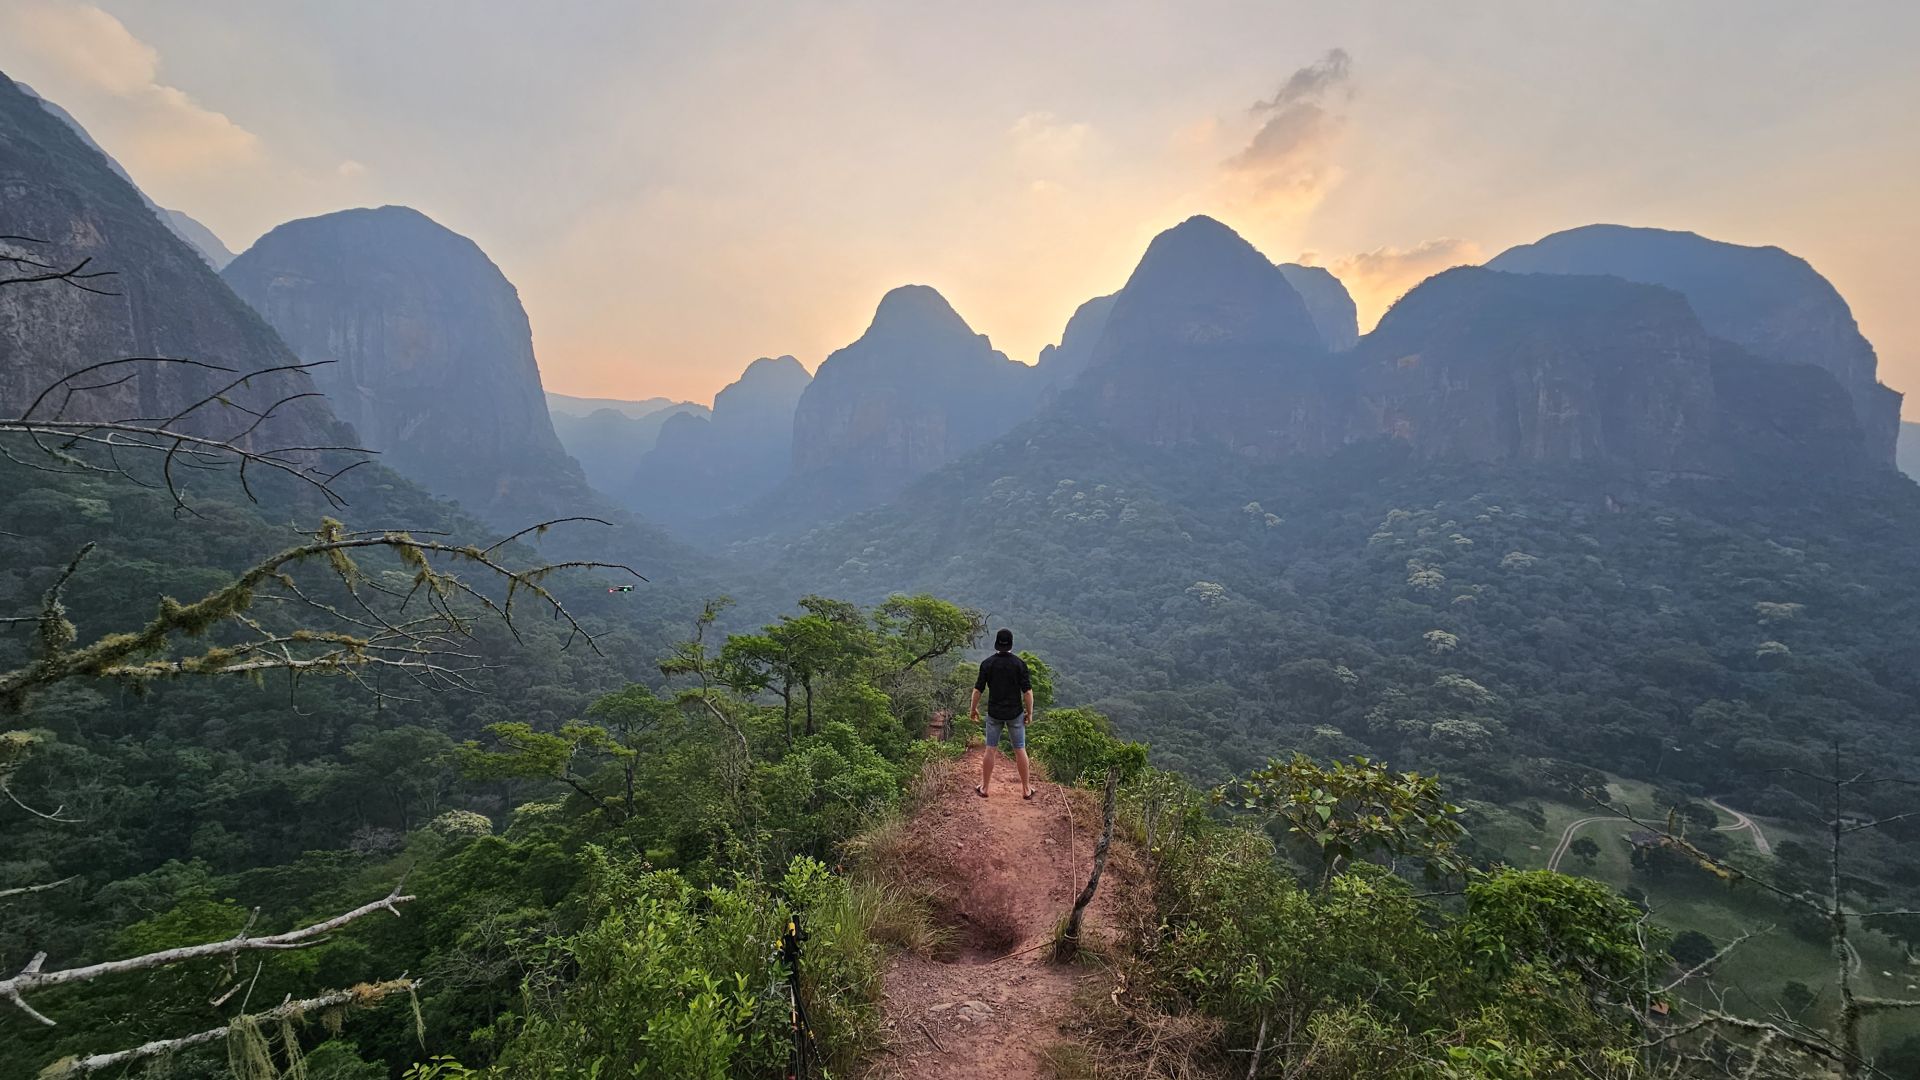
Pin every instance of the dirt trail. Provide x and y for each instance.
(1005, 870)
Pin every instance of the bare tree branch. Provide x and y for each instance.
(32, 978)
(42, 887)
(362, 995)
(414, 646)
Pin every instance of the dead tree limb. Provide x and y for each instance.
(32, 978)
(363, 995)
(1069, 944)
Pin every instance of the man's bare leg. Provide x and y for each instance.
(986, 769)
(1020, 761)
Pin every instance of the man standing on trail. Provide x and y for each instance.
(1009, 707)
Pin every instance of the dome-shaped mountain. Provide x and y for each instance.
(917, 390)
(1766, 300)
(1477, 365)
(433, 355)
(1207, 343)
(1199, 290)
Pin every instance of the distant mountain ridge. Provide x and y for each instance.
(569, 405)
(1909, 450)
(704, 466)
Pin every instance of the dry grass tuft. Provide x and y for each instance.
(1067, 1061)
(1129, 1035)
(903, 918)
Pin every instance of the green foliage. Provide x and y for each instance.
(1078, 744)
(668, 980)
(1355, 808)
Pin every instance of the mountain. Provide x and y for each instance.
(432, 353)
(568, 405)
(1061, 364)
(609, 442)
(918, 389)
(166, 301)
(1208, 343)
(1910, 450)
(703, 466)
(1328, 302)
(197, 236)
(1769, 301)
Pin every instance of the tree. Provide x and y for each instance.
(1585, 849)
(1354, 808)
(1691, 948)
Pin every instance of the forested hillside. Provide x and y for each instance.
(1523, 690)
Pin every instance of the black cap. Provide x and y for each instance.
(1003, 640)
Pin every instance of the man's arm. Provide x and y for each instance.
(973, 712)
(1028, 699)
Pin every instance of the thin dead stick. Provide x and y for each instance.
(929, 1035)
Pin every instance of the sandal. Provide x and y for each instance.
(1028, 795)
(980, 791)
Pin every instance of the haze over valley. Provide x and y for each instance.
(1452, 659)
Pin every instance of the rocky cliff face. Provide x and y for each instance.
(1475, 365)
(432, 356)
(56, 187)
(917, 390)
(1768, 301)
(1328, 302)
(705, 466)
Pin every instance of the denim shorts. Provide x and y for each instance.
(1016, 730)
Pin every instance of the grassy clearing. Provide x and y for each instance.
(1760, 969)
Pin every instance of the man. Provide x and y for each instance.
(1009, 706)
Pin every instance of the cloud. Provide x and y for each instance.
(87, 60)
(1379, 277)
(350, 169)
(1287, 164)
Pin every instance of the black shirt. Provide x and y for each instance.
(1004, 677)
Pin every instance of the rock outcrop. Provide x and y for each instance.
(1476, 365)
(703, 466)
(56, 187)
(430, 353)
(1328, 302)
(1766, 300)
(916, 391)
(1061, 364)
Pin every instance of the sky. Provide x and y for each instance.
(677, 188)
